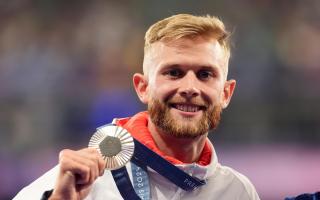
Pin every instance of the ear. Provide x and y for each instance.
(228, 90)
(141, 86)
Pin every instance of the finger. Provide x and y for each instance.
(96, 157)
(81, 167)
(102, 166)
(74, 170)
(100, 160)
(87, 157)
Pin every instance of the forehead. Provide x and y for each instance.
(187, 52)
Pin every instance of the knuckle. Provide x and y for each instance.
(86, 170)
(94, 158)
(64, 162)
(64, 152)
(102, 162)
(90, 164)
(91, 181)
(93, 151)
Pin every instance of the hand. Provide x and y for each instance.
(77, 172)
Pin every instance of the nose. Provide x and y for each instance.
(189, 86)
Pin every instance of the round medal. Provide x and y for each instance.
(115, 145)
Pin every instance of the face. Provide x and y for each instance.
(185, 86)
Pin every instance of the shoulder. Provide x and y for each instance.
(236, 182)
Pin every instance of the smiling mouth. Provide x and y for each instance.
(187, 107)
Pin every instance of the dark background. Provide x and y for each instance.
(66, 68)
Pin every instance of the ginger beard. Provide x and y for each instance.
(160, 115)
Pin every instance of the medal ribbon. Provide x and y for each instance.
(121, 177)
(140, 181)
(149, 158)
(143, 156)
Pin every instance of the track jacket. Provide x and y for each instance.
(222, 183)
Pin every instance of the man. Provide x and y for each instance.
(184, 83)
(305, 196)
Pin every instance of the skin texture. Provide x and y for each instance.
(184, 72)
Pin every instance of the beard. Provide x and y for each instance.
(188, 128)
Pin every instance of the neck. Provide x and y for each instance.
(187, 150)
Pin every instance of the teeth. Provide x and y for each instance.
(188, 108)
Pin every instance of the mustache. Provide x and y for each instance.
(192, 101)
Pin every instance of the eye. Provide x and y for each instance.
(204, 74)
(174, 73)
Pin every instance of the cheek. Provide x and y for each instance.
(214, 94)
(162, 89)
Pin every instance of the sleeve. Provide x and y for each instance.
(251, 192)
(38, 188)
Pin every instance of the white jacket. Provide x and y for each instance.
(223, 183)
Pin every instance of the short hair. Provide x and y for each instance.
(188, 26)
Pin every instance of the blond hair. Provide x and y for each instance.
(188, 26)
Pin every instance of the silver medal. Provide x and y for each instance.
(115, 145)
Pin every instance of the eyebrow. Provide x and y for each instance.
(200, 67)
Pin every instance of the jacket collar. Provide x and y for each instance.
(137, 126)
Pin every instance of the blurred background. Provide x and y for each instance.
(66, 68)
